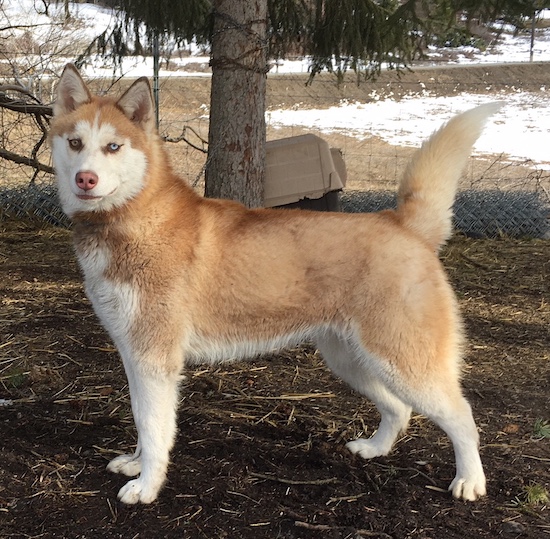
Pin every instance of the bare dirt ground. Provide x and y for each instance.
(260, 451)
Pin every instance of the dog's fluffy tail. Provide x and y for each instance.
(427, 191)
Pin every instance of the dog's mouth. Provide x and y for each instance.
(95, 197)
(88, 197)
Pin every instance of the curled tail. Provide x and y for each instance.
(428, 188)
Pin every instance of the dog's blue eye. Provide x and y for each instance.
(113, 147)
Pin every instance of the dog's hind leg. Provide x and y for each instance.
(394, 419)
(344, 360)
(447, 407)
(439, 398)
(154, 396)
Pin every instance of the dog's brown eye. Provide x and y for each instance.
(75, 144)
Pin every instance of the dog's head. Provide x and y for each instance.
(99, 144)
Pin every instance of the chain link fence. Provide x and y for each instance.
(477, 213)
(487, 205)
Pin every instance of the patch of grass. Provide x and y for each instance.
(533, 495)
(536, 494)
(541, 428)
(15, 378)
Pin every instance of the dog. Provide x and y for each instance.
(176, 278)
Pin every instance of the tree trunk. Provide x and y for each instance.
(533, 29)
(235, 167)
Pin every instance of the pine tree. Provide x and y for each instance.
(338, 35)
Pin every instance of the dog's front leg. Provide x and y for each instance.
(154, 396)
(129, 464)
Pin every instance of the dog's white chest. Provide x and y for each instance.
(116, 303)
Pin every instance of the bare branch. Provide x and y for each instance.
(26, 26)
(20, 160)
(184, 138)
(18, 105)
(17, 88)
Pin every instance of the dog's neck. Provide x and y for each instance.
(144, 214)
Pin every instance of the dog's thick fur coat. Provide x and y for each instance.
(176, 278)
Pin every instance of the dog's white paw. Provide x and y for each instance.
(136, 491)
(365, 448)
(468, 489)
(129, 465)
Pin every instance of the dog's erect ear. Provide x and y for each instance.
(71, 91)
(137, 104)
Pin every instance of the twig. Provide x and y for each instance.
(541, 459)
(186, 140)
(474, 263)
(327, 481)
(316, 527)
(415, 470)
(297, 397)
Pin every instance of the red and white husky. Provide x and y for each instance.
(176, 278)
